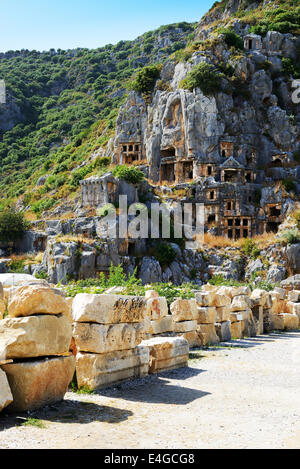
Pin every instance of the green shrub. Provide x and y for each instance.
(12, 225)
(129, 174)
(250, 249)
(297, 218)
(171, 292)
(164, 253)
(290, 237)
(290, 185)
(232, 39)
(296, 156)
(145, 79)
(205, 77)
(42, 205)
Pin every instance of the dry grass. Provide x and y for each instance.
(78, 239)
(263, 241)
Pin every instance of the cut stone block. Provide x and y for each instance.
(184, 310)
(293, 308)
(157, 308)
(2, 309)
(248, 324)
(161, 326)
(109, 309)
(236, 317)
(258, 316)
(167, 353)
(268, 321)
(223, 331)
(207, 334)
(193, 339)
(259, 297)
(281, 292)
(207, 315)
(205, 298)
(236, 330)
(6, 397)
(286, 322)
(35, 384)
(99, 338)
(231, 292)
(34, 336)
(36, 299)
(186, 326)
(241, 303)
(151, 294)
(223, 314)
(294, 296)
(96, 371)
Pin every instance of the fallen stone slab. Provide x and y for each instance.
(29, 300)
(15, 280)
(285, 322)
(184, 310)
(185, 326)
(6, 397)
(258, 316)
(294, 296)
(236, 317)
(34, 336)
(212, 299)
(108, 309)
(207, 334)
(157, 308)
(223, 314)
(236, 330)
(161, 326)
(241, 303)
(36, 383)
(167, 353)
(291, 283)
(193, 339)
(100, 338)
(292, 308)
(96, 371)
(207, 315)
(231, 292)
(223, 331)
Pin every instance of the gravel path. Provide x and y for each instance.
(243, 395)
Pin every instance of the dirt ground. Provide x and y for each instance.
(245, 394)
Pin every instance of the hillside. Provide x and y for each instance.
(58, 99)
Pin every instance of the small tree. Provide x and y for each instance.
(12, 225)
(129, 174)
(145, 79)
(205, 77)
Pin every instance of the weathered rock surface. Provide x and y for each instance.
(184, 310)
(35, 336)
(35, 384)
(157, 308)
(99, 338)
(6, 397)
(167, 353)
(36, 299)
(161, 326)
(108, 309)
(207, 334)
(97, 371)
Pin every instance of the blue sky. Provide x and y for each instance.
(67, 24)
